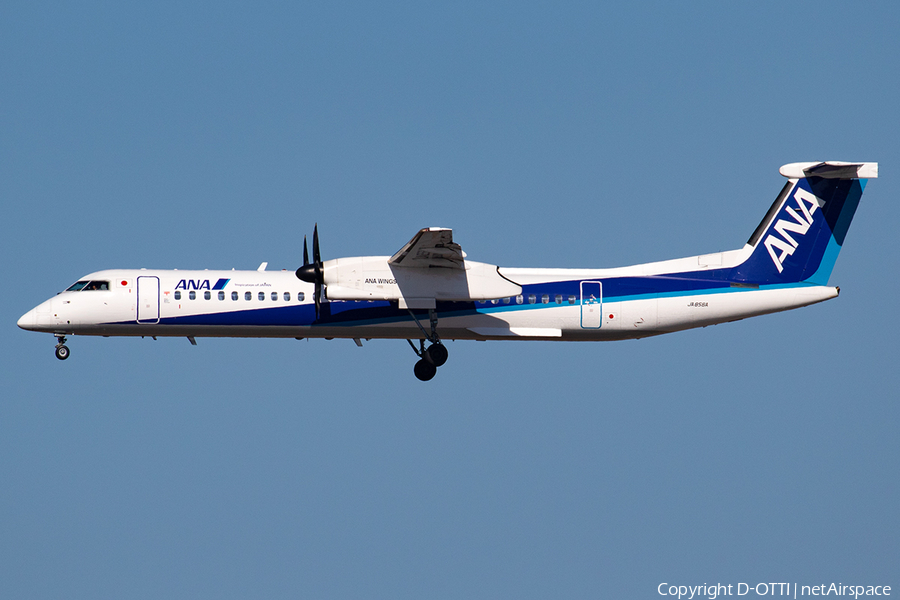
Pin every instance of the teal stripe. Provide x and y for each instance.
(651, 296)
(820, 277)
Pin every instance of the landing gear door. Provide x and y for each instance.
(148, 300)
(591, 304)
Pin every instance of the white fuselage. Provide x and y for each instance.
(555, 304)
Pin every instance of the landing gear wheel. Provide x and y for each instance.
(62, 352)
(424, 370)
(437, 354)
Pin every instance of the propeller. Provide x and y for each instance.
(313, 272)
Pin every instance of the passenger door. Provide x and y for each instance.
(591, 304)
(148, 299)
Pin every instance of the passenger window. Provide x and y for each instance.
(571, 299)
(545, 299)
(495, 302)
(301, 296)
(532, 298)
(519, 299)
(192, 295)
(287, 296)
(234, 295)
(178, 295)
(207, 295)
(261, 295)
(221, 295)
(558, 298)
(274, 296)
(248, 296)
(506, 301)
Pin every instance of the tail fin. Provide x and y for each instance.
(801, 235)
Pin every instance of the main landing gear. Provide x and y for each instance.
(430, 359)
(434, 355)
(62, 351)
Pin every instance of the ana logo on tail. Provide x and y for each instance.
(807, 203)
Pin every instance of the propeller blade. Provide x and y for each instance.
(310, 272)
(317, 258)
(318, 298)
(313, 272)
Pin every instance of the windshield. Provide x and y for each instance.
(88, 286)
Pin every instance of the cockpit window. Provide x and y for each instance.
(88, 286)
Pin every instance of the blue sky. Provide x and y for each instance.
(214, 135)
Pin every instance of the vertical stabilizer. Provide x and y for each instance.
(802, 234)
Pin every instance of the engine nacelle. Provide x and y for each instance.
(373, 278)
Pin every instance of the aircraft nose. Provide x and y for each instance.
(28, 320)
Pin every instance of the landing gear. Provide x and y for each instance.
(437, 354)
(424, 369)
(432, 357)
(62, 351)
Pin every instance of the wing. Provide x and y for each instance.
(431, 247)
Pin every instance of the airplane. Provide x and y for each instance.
(429, 291)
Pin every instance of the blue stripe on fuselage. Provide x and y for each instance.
(615, 289)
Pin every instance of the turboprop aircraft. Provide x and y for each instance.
(429, 291)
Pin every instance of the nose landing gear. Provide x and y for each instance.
(433, 356)
(62, 351)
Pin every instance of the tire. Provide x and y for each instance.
(437, 354)
(62, 352)
(424, 370)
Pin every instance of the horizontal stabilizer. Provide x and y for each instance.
(830, 170)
